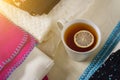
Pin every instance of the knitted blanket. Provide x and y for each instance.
(15, 46)
(99, 59)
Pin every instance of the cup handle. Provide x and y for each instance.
(61, 23)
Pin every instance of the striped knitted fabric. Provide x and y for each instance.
(15, 46)
(110, 69)
(98, 60)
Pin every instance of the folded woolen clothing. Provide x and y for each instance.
(103, 54)
(37, 26)
(15, 46)
(110, 69)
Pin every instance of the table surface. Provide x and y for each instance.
(104, 13)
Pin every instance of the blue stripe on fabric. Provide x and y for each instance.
(110, 44)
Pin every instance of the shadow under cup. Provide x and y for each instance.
(68, 39)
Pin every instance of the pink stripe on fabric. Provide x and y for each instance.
(15, 46)
(9, 68)
(12, 39)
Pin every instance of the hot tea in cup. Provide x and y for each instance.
(80, 38)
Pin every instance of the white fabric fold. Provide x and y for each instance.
(38, 26)
(35, 67)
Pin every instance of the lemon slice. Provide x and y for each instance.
(83, 39)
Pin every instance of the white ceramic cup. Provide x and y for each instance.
(76, 55)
